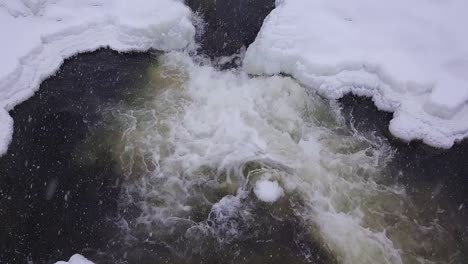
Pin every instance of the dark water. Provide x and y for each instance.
(435, 178)
(267, 238)
(414, 162)
(230, 24)
(53, 204)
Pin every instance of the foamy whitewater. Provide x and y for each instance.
(212, 143)
(410, 57)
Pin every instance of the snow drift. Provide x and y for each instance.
(411, 58)
(37, 35)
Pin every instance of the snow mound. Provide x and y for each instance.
(268, 191)
(410, 57)
(37, 35)
(76, 259)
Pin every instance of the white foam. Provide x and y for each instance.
(410, 57)
(206, 132)
(268, 191)
(38, 35)
(201, 131)
(76, 259)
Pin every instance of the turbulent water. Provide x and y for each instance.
(195, 144)
(185, 158)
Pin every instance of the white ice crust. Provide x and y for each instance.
(76, 259)
(37, 35)
(410, 57)
(268, 191)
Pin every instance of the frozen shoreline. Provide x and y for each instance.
(38, 36)
(411, 59)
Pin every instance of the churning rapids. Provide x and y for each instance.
(183, 157)
(223, 167)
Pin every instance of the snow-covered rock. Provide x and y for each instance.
(76, 259)
(37, 35)
(411, 57)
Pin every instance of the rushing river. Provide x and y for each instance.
(177, 158)
(197, 145)
(165, 158)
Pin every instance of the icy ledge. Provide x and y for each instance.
(37, 35)
(410, 57)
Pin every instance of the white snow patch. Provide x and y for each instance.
(268, 191)
(37, 35)
(410, 57)
(76, 259)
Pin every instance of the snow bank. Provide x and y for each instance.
(268, 191)
(37, 35)
(76, 259)
(410, 57)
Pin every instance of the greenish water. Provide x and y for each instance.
(194, 143)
